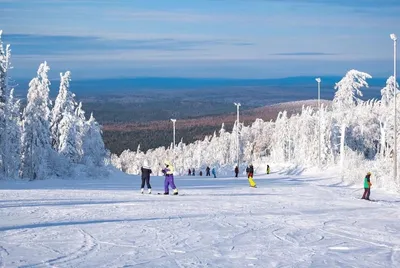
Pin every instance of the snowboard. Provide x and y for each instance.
(252, 182)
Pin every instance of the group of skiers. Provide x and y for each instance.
(168, 172)
(168, 181)
(250, 172)
(192, 172)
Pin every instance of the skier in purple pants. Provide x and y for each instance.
(169, 178)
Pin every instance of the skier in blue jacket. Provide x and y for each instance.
(214, 172)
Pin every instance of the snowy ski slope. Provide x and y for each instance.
(288, 221)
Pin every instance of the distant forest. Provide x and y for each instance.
(133, 114)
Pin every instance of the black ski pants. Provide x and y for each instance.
(147, 181)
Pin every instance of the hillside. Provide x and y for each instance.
(122, 136)
(307, 220)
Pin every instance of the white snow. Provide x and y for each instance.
(298, 220)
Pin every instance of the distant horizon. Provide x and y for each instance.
(312, 78)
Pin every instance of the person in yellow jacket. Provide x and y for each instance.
(268, 169)
(367, 186)
(250, 172)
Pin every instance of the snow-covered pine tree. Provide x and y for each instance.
(4, 67)
(346, 98)
(10, 120)
(36, 136)
(64, 105)
(94, 152)
(3, 71)
(69, 142)
(385, 116)
(12, 159)
(81, 126)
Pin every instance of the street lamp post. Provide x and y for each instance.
(394, 38)
(237, 132)
(319, 127)
(173, 123)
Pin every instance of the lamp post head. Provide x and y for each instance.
(237, 104)
(173, 120)
(393, 37)
(318, 80)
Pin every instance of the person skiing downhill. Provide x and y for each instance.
(268, 169)
(169, 178)
(146, 171)
(367, 186)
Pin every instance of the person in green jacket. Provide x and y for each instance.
(367, 186)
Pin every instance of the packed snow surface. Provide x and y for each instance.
(305, 220)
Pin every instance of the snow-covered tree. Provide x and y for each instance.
(346, 98)
(10, 125)
(384, 114)
(4, 68)
(64, 105)
(12, 134)
(94, 152)
(69, 141)
(36, 136)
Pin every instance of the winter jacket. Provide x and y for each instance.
(367, 182)
(168, 171)
(146, 171)
(251, 169)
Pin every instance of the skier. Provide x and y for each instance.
(208, 171)
(367, 186)
(169, 178)
(146, 171)
(236, 171)
(190, 172)
(193, 172)
(214, 172)
(201, 173)
(268, 170)
(250, 173)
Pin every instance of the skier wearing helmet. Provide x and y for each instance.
(169, 178)
(367, 186)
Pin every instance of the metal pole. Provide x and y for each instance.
(319, 127)
(237, 133)
(394, 38)
(173, 123)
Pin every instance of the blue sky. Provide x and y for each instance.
(201, 38)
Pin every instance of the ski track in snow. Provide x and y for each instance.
(288, 221)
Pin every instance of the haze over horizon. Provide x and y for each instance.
(204, 39)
